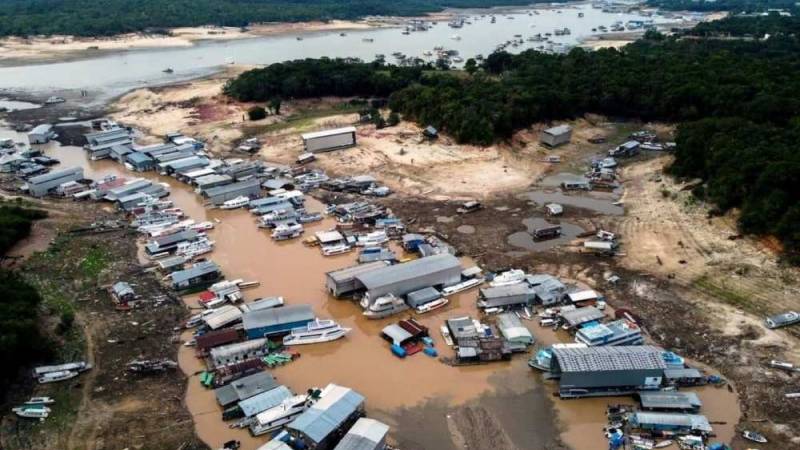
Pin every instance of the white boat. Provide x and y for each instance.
(330, 250)
(32, 412)
(373, 239)
(202, 226)
(61, 375)
(40, 401)
(446, 335)
(754, 436)
(278, 416)
(316, 332)
(508, 277)
(384, 307)
(663, 444)
(54, 99)
(430, 306)
(287, 231)
(455, 37)
(463, 286)
(196, 248)
(237, 202)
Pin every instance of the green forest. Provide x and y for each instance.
(737, 102)
(110, 17)
(20, 339)
(739, 6)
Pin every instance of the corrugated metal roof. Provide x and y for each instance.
(245, 387)
(582, 315)
(54, 175)
(336, 405)
(682, 373)
(365, 434)
(692, 421)
(506, 291)
(400, 272)
(277, 316)
(237, 348)
(349, 273)
(264, 401)
(669, 400)
(512, 328)
(228, 188)
(422, 296)
(325, 133)
(138, 158)
(590, 359)
(196, 270)
(560, 129)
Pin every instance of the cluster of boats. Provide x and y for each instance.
(35, 408)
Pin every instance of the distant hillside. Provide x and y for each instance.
(109, 17)
(737, 6)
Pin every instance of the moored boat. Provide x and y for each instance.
(316, 332)
(235, 203)
(446, 335)
(508, 277)
(754, 436)
(430, 306)
(32, 412)
(60, 375)
(287, 231)
(40, 401)
(463, 286)
(278, 416)
(330, 250)
(384, 307)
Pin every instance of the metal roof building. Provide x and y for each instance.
(365, 434)
(618, 332)
(681, 423)
(328, 140)
(338, 408)
(264, 401)
(513, 330)
(244, 388)
(555, 136)
(196, 275)
(599, 371)
(343, 281)
(238, 352)
(549, 289)
(265, 322)
(220, 194)
(670, 400)
(401, 279)
(463, 331)
(422, 296)
(40, 185)
(513, 295)
(579, 316)
(170, 241)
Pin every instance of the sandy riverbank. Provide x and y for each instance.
(55, 48)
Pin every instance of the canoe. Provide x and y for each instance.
(398, 351)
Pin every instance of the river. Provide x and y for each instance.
(116, 73)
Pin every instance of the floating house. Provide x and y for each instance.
(365, 434)
(619, 332)
(672, 422)
(579, 317)
(222, 317)
(329, 140)
(264, 401)
(463, 331)
(586, 297)
(41, 185)
(555, 136)
(549, 289)
(513, 330)
(401, 279)
(670, 401)
(508, 296)
(238, 352)
(244, 388)
(99, 144)
(168, 243)
(200, 274)
(140, 162)
(607, 371)
(343, 282)
(122, 292)
(41, 134)
(321, 426)
(268, 322)
(220, 194)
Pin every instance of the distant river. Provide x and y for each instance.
(116, 73)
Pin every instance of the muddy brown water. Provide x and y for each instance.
(418, 396)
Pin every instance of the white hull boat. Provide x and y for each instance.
(202, 226)
(430, 306)
(463, 286)
(274, 418)
(39, 401)
(338, 249)
(235, 203)
(32, 412)
(508, 278)
(316, 332)
(446, 335)
(373, 239)
(284, 232)
(385, 306)
(197, 248)
(61, 375)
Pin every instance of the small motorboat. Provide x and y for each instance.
(663, 444)
(754, 436)
(316, 332)
(287, 231)
(338, 249)
(32, 412)
(446, 335)
(60, 375)
(40, 401)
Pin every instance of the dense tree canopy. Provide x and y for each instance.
(109, 17)
(20, 340)
(738, 6)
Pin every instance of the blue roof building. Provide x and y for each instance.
(337, 409)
